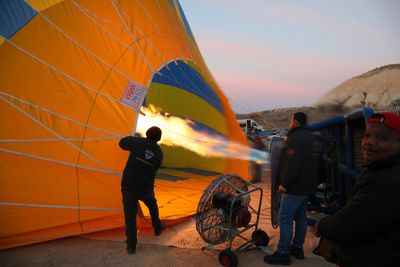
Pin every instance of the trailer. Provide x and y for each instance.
(338, 151)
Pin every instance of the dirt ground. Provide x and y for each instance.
(179, 245)
(78, 251)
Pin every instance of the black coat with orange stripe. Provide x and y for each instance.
(144, 160)
(298, 164)
(367, 229)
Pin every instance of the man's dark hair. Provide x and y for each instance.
(154, 133)
(301, 117)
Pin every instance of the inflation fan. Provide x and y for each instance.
(224, 212)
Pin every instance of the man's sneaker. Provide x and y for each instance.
(278, 259)
(297, 252)
(160, 229)
(131, 250)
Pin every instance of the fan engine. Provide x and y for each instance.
(224, 212)
(225, 202)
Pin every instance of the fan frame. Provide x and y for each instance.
(229, 231)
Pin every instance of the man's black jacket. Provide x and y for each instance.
(144, 160)
(298, 165)
(367, 229)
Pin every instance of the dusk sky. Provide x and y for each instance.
(274, 54)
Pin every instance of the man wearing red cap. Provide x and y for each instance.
(138, 181)
(366, 232)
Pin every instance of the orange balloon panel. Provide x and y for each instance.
(74, 76)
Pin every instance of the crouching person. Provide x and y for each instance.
(366, 232)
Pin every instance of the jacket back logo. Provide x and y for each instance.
(148, 154)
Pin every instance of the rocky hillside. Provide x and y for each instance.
(378, 88)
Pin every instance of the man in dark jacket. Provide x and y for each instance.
(366, 232)
(138, 181)
(298, 173)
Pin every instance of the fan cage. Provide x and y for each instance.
(210, 223)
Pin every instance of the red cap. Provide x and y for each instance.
(389, 119)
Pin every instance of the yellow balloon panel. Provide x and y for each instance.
(167, 97)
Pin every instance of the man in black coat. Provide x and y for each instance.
(366, 232)
(138, 181)
(298, 174)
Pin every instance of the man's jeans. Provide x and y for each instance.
(130, 201)
(293, 207)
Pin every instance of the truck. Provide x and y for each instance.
(250, 126)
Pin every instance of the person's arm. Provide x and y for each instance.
(371, 210)
(128, 142)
